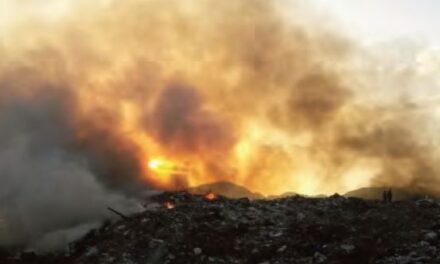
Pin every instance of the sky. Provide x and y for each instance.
(368, 20)
(379, 20)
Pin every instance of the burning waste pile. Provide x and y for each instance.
(185, 228)
(104, 102)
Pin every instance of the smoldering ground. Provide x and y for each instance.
(236, 89)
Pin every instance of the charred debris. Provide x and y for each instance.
(178, 227)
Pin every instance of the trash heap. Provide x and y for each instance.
(185, 228)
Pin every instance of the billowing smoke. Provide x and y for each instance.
(180, 123)
(45, 186)
(221, 90)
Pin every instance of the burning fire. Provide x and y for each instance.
(161, 167)
(169, 205)
(166, 174)
(210, 196)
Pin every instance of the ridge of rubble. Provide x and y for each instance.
(285, 230)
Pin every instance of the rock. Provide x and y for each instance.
(276, 234)
(300, 216)
(348, 248)
(319, 258)
(431, 236)
(281, 249)
(92, 252)
(120, 227)
(423, 244)
(197, 251)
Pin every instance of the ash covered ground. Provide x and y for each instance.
(184, 228)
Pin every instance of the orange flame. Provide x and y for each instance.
(169, 205)
(210, 196)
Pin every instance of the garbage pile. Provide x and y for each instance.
(184, 228)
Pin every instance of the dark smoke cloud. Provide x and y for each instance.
(50, 179)
(311, 103)
(109, 155)
(181, 123)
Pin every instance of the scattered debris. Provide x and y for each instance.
(197, 251)
(334, 230)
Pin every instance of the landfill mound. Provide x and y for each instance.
(185, 228)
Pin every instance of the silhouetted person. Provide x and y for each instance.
(390, 196)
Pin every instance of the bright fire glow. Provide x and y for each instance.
(210, 196)
(161, 165)
(163, 172)
(210, 99)
(169, 205)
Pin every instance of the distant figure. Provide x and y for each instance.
(390, 196)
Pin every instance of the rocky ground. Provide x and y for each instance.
(184, 228)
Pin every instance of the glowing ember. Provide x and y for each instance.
(169, 205)
(210, 196)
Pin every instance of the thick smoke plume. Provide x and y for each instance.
(224, 90)
(181, 125)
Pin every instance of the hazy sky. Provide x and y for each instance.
(370, 20)
(379, 20)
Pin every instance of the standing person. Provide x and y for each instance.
(390, 196)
